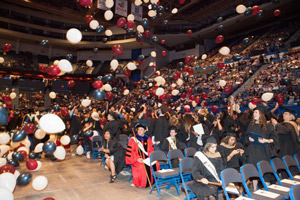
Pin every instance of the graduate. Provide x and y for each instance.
(288, 133)
(139, 149)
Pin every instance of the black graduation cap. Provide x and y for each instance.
(293, 112)
(164, 109)
(211, 139)
(261, 108)
(231, 134)
(140, 123)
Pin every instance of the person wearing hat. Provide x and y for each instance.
(231, 151)
(288, 133)
(206, 168)
(138, 152)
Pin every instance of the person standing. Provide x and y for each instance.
(161, 127)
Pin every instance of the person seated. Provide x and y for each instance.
(114, 155)
(206, 168)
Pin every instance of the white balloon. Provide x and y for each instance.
(86, 102)
(140, 29)
(26, 149)
(154, 1)
(160, 80)
(107, 87)
(240, 9)
(60, 153)
(194, 103)
(138, 2)
(9, 156)
(109, 3)
(204, 56)
(8, 181)
(13, 95)
(173, 85)
(159, 91)
(89, 63)
(39, 134)
(152, 13)
(61, 73)
(267, 96)
(114, 63)
(39, 165)
(39, 183)
(65, 140)
(174, 11)
(16, 174)
(222, 83)
(27, 143)
(224, 50)
(126, 92)
(55, 62)
(108, 33)
(108, 15)
(151, 64)
(175, 92)
(74, 36)
(79, 150)
(95, 116)
(158, 73)
(2, 162)
(4, 138)
(130, 17)
(52, 95)
(150, 84)
(251, 106)
(179, 82)
(39, 148)
(131, 66)
(146, 1)
(51, 123)
(65, 66)
(6, 194)
(153, 54)
(1, 60)
(94, 24)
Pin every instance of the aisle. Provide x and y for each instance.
(78, 178)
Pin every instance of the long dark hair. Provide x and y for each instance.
(262, 122)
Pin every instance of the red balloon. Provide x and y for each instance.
(255, 101)
(49, 70)
(198, 99)
(7, 47)
(276, 12)
(29, 128)
(130, 24)
(214, 108)
(31, 164)
(204, 103)
(228, 88)
(89, 18)
(147, 33)
(140, 62)
(220, 65)
(67, 146)
(189, 91)
(169, 96)
(190, 70)
(204, 95)
(49, 198)
(163, 53)
(147, 93)
(6, 97)
(117, 49)
(86, 3)
(64, 111)
(24, 153)
(55, 70)
(7, 168)
(127, 72)
(42, 68)
(121, 22)
(8, 104)
(71, 83)
(255, 10)
(192, 97)
(163, 41)
(109, 96)
(62, 87)
(189, 32)
(188, 59)
(97, 84)
(154, 66)
(187, 109)
(58, 143)
(280, 99)
(181, 1)
(163, 96)
(80, 143)
(219, 39)
(182, 95)
(185, 68)
(138, 84)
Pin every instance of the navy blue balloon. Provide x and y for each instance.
(260, 14)
(180, 64)
(114, 90)
(19, 136)
(125, 27)
(145, 78)
(186, 78)
(159, 14)
(13, 163)
(165, 22)
(56, 108)
(236, 57)
(49, 147)
(88, 133)
(145, 23)
(152, 103)
(246, 40)
(3, 116)
(44, 42)
(141, 57)
(104, 40)
(100, 78)
(74, 139)
(32, 155)
(161, 9)
(24, 179)
(154, 6)
(220, 19)
(109, 77)
(95, 50)
(69, 56)
(144, 86)
(220, 27)
(18, 156)
(248, 11)
(99, 95)
(129, 31)
(153, 18)
(100, 29)
(181, 90)
(154, 39)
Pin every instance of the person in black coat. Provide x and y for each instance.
(114, 155)
(114, 124)
(161, 128)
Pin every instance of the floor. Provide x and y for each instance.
(79, 178)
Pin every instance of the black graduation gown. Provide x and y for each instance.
(257, 152)
(161, 129)
(288, 139)
(116, 150)
(114, 127)
(199, 171)
(75, 125)
(236, 161)
(194, 138)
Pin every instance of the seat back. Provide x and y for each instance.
(184, 165)
(189, 152)
(97, 138)
(297, 158)
(229, 175)
(158, 156)
(96, 142)
(295, 192)
(175, 153)
(277, 164)
(264, 167)
(249, 171)
(182, 145)
(289, 161)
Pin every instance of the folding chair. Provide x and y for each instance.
(297, 159)
(96, 144)
(291, 167)
(189, 152)
(174, 154)
(163, 178)
(185, 167)
(249, 171)
(295, 192)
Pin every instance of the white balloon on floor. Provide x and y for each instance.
(3, 149)
(65, 140)
(175, 92)
(4, 138)
(39, 134)
(39, 183)
(1, 60)
(153, 54)
(130, 17)
(6, 194)
(60, 153)
(79, 150)
(16, 174)
(74, 36)
(8, 181)
(140, 29)
(174, 11)
(51, 124)
(204, 56)
(179, 82)
(160, 80)
(39, 148)
(39, 165)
